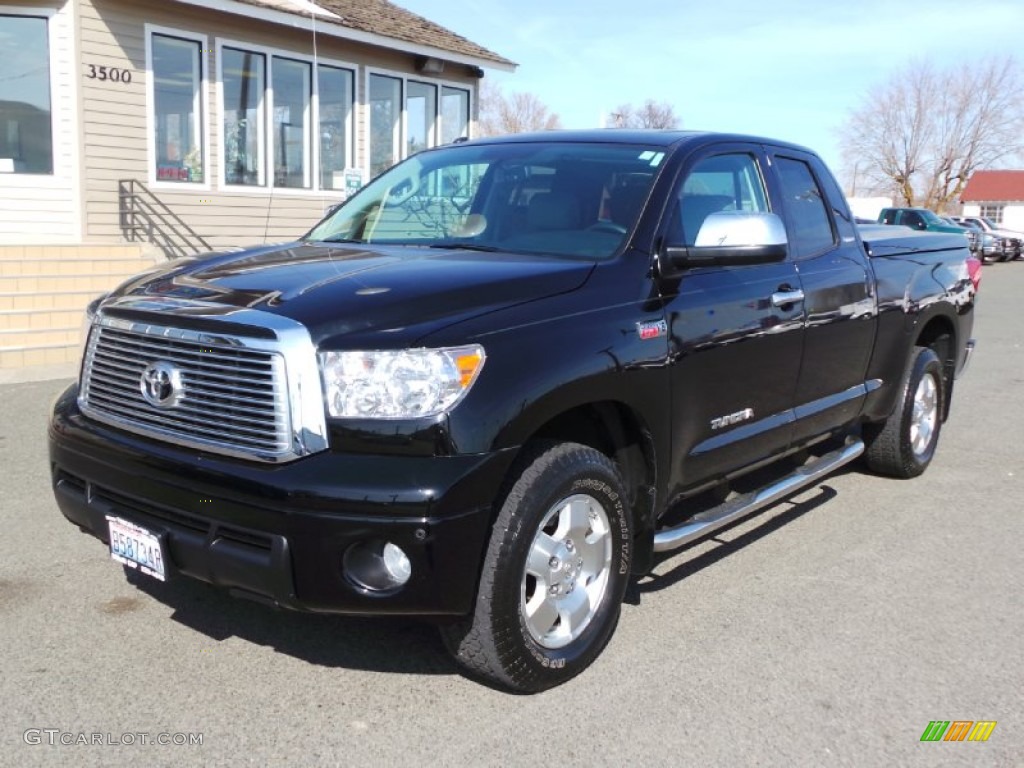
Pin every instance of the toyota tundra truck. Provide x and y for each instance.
(484, 390)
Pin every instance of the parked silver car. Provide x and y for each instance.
(1012, 243)
(984, 245)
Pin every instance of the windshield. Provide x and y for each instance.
(559, 198)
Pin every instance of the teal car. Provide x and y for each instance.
(918, 218)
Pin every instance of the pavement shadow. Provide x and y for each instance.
(388, 644)
(380, 644)
(655, 582)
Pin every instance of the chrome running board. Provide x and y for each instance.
(730, 511)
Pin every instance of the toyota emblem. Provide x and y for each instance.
(161, 385)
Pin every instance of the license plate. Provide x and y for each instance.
(136, 547)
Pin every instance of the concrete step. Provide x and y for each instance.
(44, 290)
(70, 252)
(56, 354)
(125, 267)
(22, 338)
(47, 302)
(59, 283)
(34, 319)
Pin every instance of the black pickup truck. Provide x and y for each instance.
(485, 388)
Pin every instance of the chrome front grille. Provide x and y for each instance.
(230, 394)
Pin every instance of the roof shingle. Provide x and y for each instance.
(994, 186)
(380, 17)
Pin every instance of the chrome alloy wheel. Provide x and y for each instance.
(925, 415)
(566, 571)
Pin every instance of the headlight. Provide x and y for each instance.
(398, 384)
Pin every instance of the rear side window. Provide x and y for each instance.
(811, 227)
(913, 219)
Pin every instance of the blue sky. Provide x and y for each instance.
(788, 69)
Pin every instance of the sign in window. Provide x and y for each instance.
(177, 107)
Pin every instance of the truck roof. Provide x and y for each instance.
(650, 136)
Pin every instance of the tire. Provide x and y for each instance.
(904, 444)
(554, 575)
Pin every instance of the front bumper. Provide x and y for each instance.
(277, 533)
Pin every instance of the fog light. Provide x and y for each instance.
(377, 566)
(398, 565)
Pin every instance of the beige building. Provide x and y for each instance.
(133, 131)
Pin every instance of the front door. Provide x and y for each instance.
(735, 346)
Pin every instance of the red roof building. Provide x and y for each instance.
(994, 187)
(997, 196)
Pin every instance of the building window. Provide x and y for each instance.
(292, 86)
(177, 109)
(26, 123)
(407, 116)
(244, 77)
(334, 88)
(301, 103)
(993, 213)
(385, 122)
(454, 114)
(421, 114)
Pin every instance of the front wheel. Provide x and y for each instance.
(904, 444)
(554, 575)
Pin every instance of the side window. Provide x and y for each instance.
(890, 216)
(729, 182)
(811, 226)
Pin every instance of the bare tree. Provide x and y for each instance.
(515, 113)
(652, 114)
(920, 135)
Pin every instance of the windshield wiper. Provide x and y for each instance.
(340, 239)
(458, 246)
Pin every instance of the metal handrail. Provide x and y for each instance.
(143, 217)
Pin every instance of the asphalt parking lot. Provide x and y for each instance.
(830, 630)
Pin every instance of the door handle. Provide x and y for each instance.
(782, 298)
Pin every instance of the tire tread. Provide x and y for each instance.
(481, 651)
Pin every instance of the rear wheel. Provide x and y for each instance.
(904, 444)
(554, 575)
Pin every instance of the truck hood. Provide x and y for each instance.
(342, 293)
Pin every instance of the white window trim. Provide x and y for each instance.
(469, 107)
(435, 126)
(261, 188)
(58, 177)
(203, 112)
(405, 78)
(399, 130)
(350, 117)
(311, 130)
(997, 218)
(266, 187)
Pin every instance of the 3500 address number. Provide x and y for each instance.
(113, 74)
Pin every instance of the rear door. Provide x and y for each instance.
(734, 347)
(838, 284)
